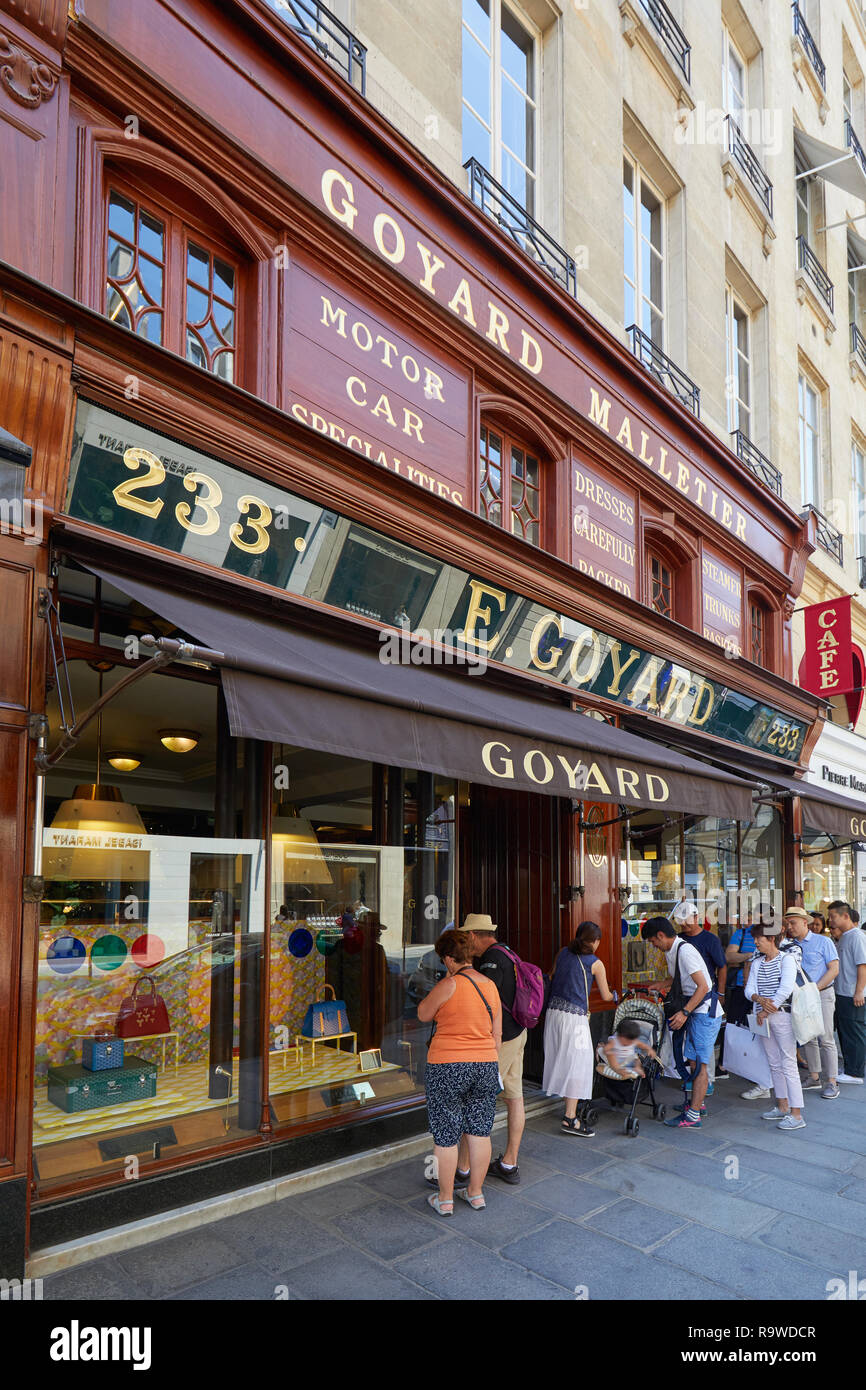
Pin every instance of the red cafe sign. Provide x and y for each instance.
(827, 667)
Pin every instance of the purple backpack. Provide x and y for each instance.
(529, 994)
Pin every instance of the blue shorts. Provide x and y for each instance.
(701, 1035)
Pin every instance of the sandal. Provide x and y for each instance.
(441, 1208)
(476, 1203)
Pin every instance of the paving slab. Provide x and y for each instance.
(637, 1224)
(595, 1267)
(505, 1216)
(460, 1269)
(276, 1237)
(388, 1230)
(249, 1283)
(830, 1250)
(98, 1281)
(747, 1268)
(174, 1264)
(709, 1172)
(348, 1275)
(719, 1210)
(572, 1197)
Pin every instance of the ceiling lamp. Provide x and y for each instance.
(303, 861)
(94, 806)
(124, 762)
(179, 740)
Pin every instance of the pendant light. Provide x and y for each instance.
(179, 740)
(97, 806)
(295, 839)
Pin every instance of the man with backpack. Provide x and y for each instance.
(521, 991)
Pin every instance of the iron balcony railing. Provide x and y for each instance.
(858, 343)
(506, 211)
(829, 539)
(808, 261)
(328, 36)
(757, 462)
(804, 34)
(854, 145)
(861, 566)
(750, 164)
(659, 365)
(670, 34)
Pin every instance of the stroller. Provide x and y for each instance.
(650, 1017)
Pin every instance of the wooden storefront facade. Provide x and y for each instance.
(386, 341)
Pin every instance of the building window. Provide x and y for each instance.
(661, 587)
(510, 485)
(643, 253)
(847, 98)
(858, 483)
(135, 278)
(738, 384)
(193, 312)
(500, 100)
(758, 633)
(856, 283)
(809, 409)
(803, 187)
(734, 81)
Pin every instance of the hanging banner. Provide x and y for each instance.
(828, 664)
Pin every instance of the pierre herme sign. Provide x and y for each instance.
(143, 485)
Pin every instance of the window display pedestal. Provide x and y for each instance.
(313, 1043)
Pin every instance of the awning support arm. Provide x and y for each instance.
(44, 760)
(807, 173)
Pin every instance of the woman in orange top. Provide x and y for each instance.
(462, 1077)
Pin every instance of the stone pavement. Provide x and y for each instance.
(736, 1210)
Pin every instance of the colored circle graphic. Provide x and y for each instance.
(66, 955)
(300, 943)
(148, 950)
(624, 927)
(108, 952)
(327, 943)
(634, 928)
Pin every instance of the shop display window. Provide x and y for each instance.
(652, 883)
(761, 894)
(362, 884)
(828, 872)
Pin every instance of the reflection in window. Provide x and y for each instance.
(643, 249)
(653, 885)
(135, 279)
(758, 633)
(828, 872)
(661, 587)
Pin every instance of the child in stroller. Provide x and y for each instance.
(637, 1027)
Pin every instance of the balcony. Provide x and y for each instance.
(756, 462)
(327, 36)
(808, 262)
(858, 346)
(670, 34)
(530, 236)
(853, 144)
(803, 33)
(659, 365)
(861, 571)
(748, 161)
(829, 539)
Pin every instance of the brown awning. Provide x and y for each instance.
(287, 685)
(822, 809)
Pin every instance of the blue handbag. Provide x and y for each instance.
(327, 1017)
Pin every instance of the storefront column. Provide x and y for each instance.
(252, 940)
(792, 819)
(222, 965)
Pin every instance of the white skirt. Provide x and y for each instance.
(568, 1055)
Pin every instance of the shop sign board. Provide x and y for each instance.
(603, 541)
(354, 376)
(827, 667)
(145, 486)
(722, 602)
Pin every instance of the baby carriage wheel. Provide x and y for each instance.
(632, 1127)
(660, 1112)
(591, 1118)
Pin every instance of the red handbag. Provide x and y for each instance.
(142, 1014)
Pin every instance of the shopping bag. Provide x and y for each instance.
(746, 1056)
(807, 1017)
(666, 1055)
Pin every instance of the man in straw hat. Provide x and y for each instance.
(497, 965)
(821, 966)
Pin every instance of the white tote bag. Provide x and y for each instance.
(745, 1056)
(807, 1016)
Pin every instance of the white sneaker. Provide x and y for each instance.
(790, 1123)
(849, 1080)
(774, 1114)
(756, 1093)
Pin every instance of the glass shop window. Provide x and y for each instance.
(761, 869)
(828, 872)
(711, 868)
(362, 884)
(652, 884)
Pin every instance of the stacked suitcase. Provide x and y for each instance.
(104, 1078)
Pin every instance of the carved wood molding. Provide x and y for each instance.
(27, 80)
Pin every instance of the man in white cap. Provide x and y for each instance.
(708, 946)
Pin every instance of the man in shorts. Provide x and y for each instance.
(696, 1022)
(497, 965)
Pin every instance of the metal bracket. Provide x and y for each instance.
(33, 888)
